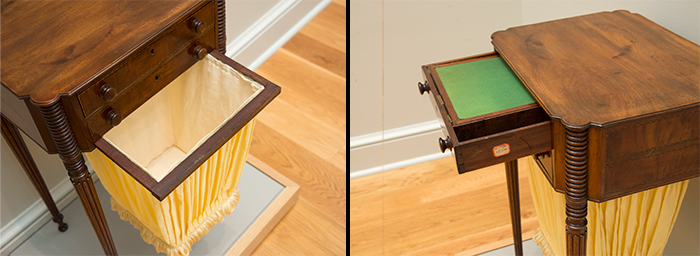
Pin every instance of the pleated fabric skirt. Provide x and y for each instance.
(196, 205)
(637, 224)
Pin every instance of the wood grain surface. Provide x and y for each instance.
(152, 57)
(524, 141)
(331, 31)
(44, 56)
(133, 97)
(617, 64)
(301, 134)
(429, 209)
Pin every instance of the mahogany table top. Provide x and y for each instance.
(52, 48)
(604, 67)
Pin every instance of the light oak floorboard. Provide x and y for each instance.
(430, 209)
(318, 53)
(267, 248)
(338, 159)
(320, 138)
(301, 134)
(323, 236)
(328, 27)
(307, 81)
(311, 106)
(322, 184)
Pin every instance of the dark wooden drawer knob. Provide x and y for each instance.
(423, 87)
(197, 25)
(199, 52)
(107, 92)
(113, 117)
(445, 144)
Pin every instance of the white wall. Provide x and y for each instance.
(254, 30)
(16, 191)
(415, 33)
(681, 17)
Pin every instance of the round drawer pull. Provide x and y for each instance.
(197, 25)
(445, 144)
(107, 92)
(423, 87)
(199, 52)
(113, 117)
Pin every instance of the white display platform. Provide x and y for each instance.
(265, 196)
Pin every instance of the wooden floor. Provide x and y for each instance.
(429, 209)
(302, 135)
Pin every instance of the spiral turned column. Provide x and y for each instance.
(221, 24)
(72, 158)
(576, 190)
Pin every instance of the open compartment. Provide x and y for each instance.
(489, 116)
(172, 166)
(168, 137)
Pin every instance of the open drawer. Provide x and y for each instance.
(208, 107)
(489, 116)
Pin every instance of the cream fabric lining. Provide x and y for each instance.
(173, 123)
(637, 224)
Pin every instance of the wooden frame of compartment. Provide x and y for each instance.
(161, 189)
(527, 128)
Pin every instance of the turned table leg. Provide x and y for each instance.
(576, 190)
(221, 24)
(14, 139)
(73, 160)
(514, 199)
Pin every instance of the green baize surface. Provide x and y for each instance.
(483, 86)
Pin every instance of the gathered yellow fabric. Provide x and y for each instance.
(195, 206)
(637, 224)
(160, 134)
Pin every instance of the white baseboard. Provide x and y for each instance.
(372, 139)
(269, 33)
(400, 164)
(259, 27)
(395, 148)
(31, 219)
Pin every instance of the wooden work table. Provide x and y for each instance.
(72, 70)
(622, 98)
(623, 94)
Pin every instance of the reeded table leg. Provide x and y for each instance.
(14, 139)
(576, 190)
(73, 160)
(514, 199)
(221, 24)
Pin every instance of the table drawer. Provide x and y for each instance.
(177, 130)
(489, 116)
(147, 59)
(131, 98)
